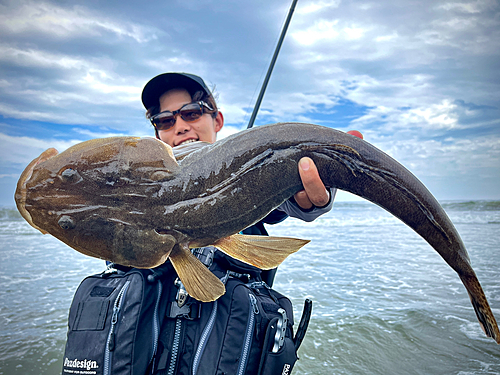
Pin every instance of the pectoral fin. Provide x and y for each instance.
(199, 282)
(263, 252)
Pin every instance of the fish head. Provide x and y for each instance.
(94, 197)
(20, 194)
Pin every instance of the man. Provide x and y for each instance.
(182, 109)
(171, 91)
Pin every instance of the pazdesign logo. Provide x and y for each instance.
(286, 369)
(75, 363)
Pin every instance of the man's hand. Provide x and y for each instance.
(315, 192)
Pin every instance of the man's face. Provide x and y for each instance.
(203, 129)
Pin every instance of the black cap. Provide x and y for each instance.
(157, 86)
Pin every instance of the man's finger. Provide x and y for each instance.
(355, 133)
(314, 188)
(302, 200)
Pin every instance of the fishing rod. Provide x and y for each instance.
(271, 66)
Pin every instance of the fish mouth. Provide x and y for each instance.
(20, 195)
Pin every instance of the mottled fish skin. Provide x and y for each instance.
(111, 198)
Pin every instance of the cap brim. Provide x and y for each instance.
(160, 84)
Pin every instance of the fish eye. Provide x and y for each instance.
(69, 175)
(66, 222)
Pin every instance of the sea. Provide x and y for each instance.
(384, 302)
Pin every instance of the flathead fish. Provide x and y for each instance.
(129, 200)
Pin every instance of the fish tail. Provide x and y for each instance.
(481, 307)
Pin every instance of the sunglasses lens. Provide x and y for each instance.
(164, 121)
(191, 112)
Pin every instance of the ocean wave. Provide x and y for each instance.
(448, 205)
(10, 214)
(336, 218)
(471, 205)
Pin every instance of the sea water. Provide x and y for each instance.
(384, 302)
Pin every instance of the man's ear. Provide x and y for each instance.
(219, 121)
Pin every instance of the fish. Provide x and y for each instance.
(131, 201)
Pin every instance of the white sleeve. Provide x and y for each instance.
(291, 208)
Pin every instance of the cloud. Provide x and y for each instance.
(90, 74)
(19, 151)
(39, 17)
(318, 6)
(39, 59)
(449, 157)
(227, 130)
(9, 176)
(420, 80)
(59, 64)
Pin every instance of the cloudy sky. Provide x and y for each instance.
(420, 79)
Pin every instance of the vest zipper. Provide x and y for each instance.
(207, 331)
(253, 311)
(156, 322)
(204, 338)
(110, 342)
(175, 347)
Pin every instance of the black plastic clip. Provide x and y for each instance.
(189, 311)
(204, 254)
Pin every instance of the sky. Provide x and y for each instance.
(420, 79)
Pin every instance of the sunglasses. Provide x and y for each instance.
(188, 112)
